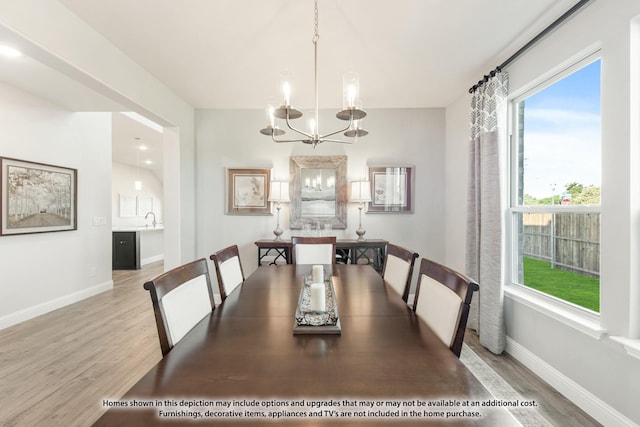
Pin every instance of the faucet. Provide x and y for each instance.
(154, 218)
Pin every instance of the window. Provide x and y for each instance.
(555, 187)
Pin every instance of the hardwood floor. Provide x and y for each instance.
(56, 369)
(553, 406)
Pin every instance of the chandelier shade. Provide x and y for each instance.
(351, 112)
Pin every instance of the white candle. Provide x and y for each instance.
(272, 120)
(286, 90)
(317, 274)
(318, 301)
(352, 96)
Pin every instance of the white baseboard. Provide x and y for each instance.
(581, 397)
(40, 309)
(151, 259)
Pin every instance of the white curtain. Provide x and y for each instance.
(485, 209)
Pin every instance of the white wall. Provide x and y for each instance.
(230, 138)
(59, 39)
(597, 374)
(456, 166)
(44, 271)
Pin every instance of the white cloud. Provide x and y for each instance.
(562, 155)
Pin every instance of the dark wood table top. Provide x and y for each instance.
(246, 351)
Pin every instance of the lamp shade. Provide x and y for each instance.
(360, 191)
(279, 191)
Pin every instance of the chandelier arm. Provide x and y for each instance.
(273, 138)
(296, 130)
(337, 140)
(336, 132)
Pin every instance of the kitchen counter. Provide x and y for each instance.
(140, 228)
(134, 247)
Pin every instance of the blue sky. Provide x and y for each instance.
(562, 134)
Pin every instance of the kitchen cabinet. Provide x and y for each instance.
(126, 250)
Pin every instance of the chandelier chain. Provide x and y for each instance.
(316, 35)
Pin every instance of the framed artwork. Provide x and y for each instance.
(127, 205)
(318, 189)
(144, 205)
(248, 191)
(391, 189)
(36, 197)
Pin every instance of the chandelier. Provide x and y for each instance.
(351, 108)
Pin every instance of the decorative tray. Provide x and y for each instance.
(310, 321)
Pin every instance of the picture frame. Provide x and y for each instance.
(248, 191)
(37, 197)
(391, 189)
(127, 205)
(144, 204)
(318, 191)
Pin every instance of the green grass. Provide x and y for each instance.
(580, 290)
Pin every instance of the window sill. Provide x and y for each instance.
(631, 346)
(582, 320)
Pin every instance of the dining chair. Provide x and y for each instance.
(313, 250)
(398, 269)
(442, 301)
(228, 269)
(181, 297)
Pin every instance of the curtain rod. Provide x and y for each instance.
(530, 43)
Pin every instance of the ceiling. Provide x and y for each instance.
(231, 53)
(130, 132)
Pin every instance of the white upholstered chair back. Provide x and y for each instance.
(185, 306)
(398, 269)
(439, 307)
(314, 254)
(313, 250)
(228, 270)
(181, 298)
(231, 273)
(442, 301)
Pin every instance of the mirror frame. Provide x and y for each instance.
(296, 164)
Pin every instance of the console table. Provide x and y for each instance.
(348, 251)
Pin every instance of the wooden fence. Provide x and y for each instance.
(570, 241)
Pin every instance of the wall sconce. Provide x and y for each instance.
(360, 193)
(279, 193)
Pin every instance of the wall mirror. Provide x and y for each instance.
(318, 191)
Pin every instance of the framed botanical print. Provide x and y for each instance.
(248, 191)
(37, 198)
(391, 189)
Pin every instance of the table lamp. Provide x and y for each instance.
(279, 193)
(360, 193)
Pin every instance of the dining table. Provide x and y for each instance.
(243, 364)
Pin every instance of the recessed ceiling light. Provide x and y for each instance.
(9, 51)
(142, 148)
(148, 162)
